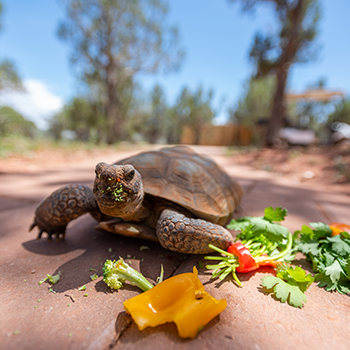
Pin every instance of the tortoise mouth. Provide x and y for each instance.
(111, 202)
(111, 195)
(116, 192)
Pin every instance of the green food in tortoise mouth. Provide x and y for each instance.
(118, 193)
(116, 190)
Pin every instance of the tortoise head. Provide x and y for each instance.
(118, 190)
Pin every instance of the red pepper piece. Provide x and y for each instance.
(245, 259)
(269, 262)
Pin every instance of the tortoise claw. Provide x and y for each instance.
(59, 236)
(59, 232)
(39, 234)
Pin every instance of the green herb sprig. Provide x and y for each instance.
(329, 255)
(289, 284)
(264, 234)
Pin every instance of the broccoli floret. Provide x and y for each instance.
(115, 273)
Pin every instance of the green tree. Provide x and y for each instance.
(153, 121)
(112, 40)
(194, 109)
(79, 116)
(174, 124)
(13, 123)
(341, 113)
(291, 43)
(9, 78)
(255, 103)
(310, 114)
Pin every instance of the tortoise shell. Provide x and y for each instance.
(193, 181)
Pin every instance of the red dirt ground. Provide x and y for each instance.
(327, 165)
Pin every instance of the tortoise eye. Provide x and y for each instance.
(129, 175)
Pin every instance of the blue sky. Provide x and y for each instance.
(215, 34)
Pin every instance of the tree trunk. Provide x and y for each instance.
(197, 130)
(279, 108)
(113, 112)
(286, 59)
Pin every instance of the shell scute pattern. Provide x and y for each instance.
(193, 181)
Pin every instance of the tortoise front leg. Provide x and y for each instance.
(190, 236)
(62, 206)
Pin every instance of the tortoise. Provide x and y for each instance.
(172, 195)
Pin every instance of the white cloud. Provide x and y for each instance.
(36, 103)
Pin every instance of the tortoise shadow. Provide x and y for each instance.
(90, 249)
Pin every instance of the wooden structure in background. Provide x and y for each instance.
(219, 135)
(240, 135)
(314, 95)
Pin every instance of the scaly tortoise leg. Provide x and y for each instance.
(190, 236)
(64, 205)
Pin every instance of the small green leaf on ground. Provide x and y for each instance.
(94, 277)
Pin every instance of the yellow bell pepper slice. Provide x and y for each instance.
(180, 299)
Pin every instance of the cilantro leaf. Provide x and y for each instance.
(311, 247)
(263, 224)
(307, 231)
(239, 224)
(345, 234)
(261, 235)
(347, 269)
(284, 291)
(333, 278)
(277, 214)
(289, 284)
(343, 286)
(334, 271)
(330, 256)
(321, 230)
(339, 245)
(325, 282)
(274, 232)
(298, 276)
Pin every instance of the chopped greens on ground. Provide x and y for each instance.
(161, 276)
(94, 277)
(329, 255)
(52, 279)
(289, 284)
